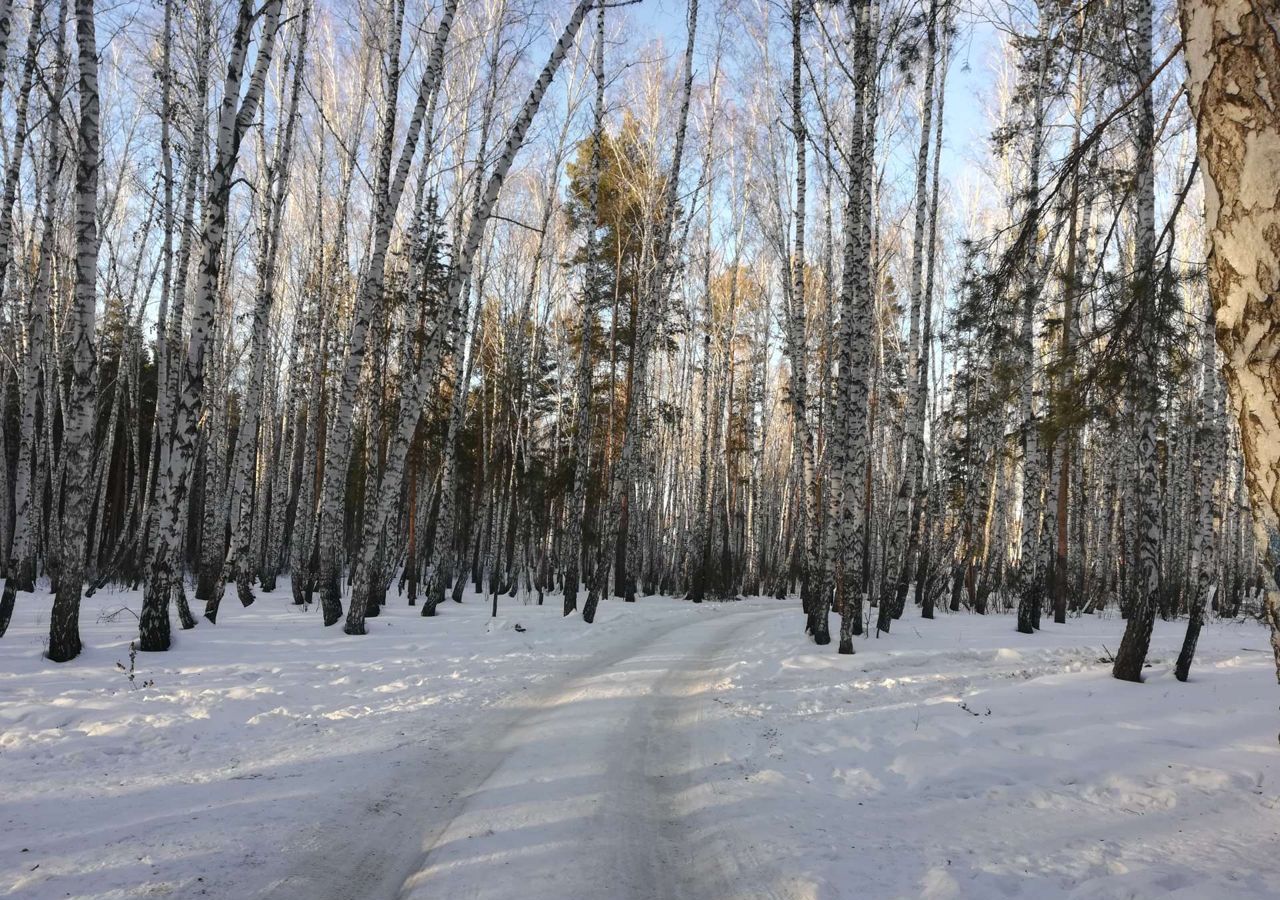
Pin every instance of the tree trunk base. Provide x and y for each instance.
(153, 624)
(1132, 655)
(330, 600)
(6, 604)
(64, 625)
(1182, 669)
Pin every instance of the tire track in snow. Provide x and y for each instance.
(548, 794)
(581, 805)
(720, 858)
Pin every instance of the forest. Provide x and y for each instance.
(856, 313)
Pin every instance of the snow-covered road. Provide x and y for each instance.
(590, 786)
(594, 794)
(668, 751)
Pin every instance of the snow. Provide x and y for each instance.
(670, 750)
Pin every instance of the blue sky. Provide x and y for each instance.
(968, 81)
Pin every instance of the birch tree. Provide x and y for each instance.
(1132, 653)
(905, 518)
(77, 432)
(460, 275)
(1233, 65)
(236, 114)
(368, 300)
(592, 283)
(239, 565)
(857, 305)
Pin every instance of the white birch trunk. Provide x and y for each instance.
(34, 388)
(620, 499)
(904, 517)
(239, 567)
(1030, 574)
(797, 351)
(1208, 450)
(176, 468)
(582, 410)
(1233, 64)
(857, 303)
(78, 421)
(368, 298)
(1132, 653)
(411, 401)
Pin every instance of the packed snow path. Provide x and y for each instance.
(592, 787)
(600, 786)
(668, 751)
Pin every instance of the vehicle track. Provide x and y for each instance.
(572, 789)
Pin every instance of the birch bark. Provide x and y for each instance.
(22, 562)
(1132, 654)
(239, 566)
(411, 404)
(176, 468)
(1232, 50)
(904, 517)
(620, 497)
(857, 305)
(590, 302)
(1210, 464)
(368, 298)
(1030, 576)
(78, 421)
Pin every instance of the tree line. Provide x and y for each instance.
(394, 298)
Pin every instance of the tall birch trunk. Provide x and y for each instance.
(904, 517)
(590, 302)
(857, 303)
(1210, 464)
(1233, 65)
(78, 421)
(35, 409)
(21, 569)
(1030, 573)
(928, 502)
(169, 331)
(1071, 284)
(802, 436)
(239, 566)
(411, 404)
(368, 299)
(176, 468)
(1132, 654)
(620, 499)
